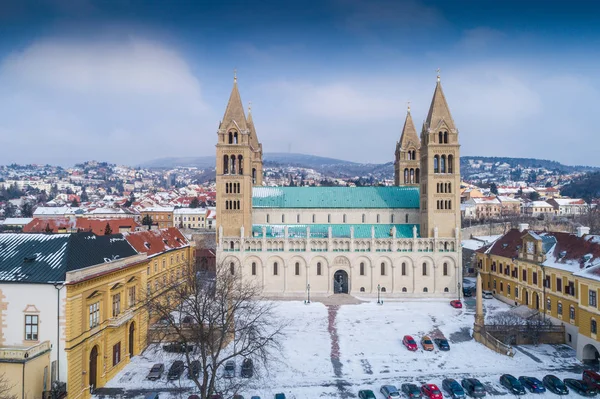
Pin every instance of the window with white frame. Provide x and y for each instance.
(31, 327)
(94, 314)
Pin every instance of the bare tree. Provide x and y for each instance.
(6, 388)
(214, 320)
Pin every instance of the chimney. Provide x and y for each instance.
(582, 230)
(523, 227)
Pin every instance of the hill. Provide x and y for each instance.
(530, 163)
(586, 187)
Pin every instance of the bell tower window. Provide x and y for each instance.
(445, 137)
(235, 138)
(441, 138)
(240, 165)
(226, 164)
(436, 164)
(450, 163)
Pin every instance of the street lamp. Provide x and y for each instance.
(308, 294)
(58, 286)
(379, 301)
(459, 291)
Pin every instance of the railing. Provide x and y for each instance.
(121, 319)
(22, 354)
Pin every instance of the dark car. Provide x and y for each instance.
(411, 390)
(442, 344)
(229, 369)
(591, 378)
(453, 388)
(580, 387)
(238, 397)
(366, 394)
(194, 369)
(178, 347)
(176, 370)
(279, 396)
(247, 368)
(467, 292)
(532, 384)
(511, 383)
(156, 372)
(555, 385)
(255, 397)
(473, 387)
(152, 395)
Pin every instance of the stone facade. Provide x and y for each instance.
(339, 259)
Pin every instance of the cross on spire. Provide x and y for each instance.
(234, 75)
(408, 105)
(438, 74)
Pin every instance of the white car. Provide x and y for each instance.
(229, 369)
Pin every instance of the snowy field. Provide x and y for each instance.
(332, 352)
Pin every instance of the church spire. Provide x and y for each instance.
(234, 113)
(439, 112)
(409, 133)
(250, 122)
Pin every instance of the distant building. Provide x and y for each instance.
(538, 208)
(569, 206)
(191, 218)
(162, 216)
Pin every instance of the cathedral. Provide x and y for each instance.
(400, 241)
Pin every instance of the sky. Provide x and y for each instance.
(131, 81)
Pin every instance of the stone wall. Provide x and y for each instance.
(503, 227)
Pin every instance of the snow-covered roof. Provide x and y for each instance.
(158, 209)
(16, 221)
(190, 211)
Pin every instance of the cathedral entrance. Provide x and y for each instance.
(340, 282)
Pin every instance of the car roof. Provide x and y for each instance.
(408, 337)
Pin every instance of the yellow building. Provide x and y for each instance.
(555, 273)
(25, 370)
(107, 322)
(162, 216)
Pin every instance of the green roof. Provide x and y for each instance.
(337, 230)
(335, 197)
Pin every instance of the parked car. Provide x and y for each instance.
(229, 369)
(467, 292)
(511, 383)
(247, 368)
(366, 394)
(431, 391)
(473, 387)
(591, 378)
(279, 396)
(456, 304)
(194, 369)
(453, 388)
(410, 343)
(412, 391)
(390, 392)
(442, 344)
(151, 395)
(427, 343)
(216, 396)
(156, 372)
(193, 397)
(178, 347)
(487, 294)
(532, 384)
(255, 397)
(580, 387)
(176, 370)
(555, 385)
(237, 396)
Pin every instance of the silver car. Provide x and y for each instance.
(229, 369)
(156, 372)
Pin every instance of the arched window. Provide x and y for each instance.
(450, 186)
(230, 138)
(319, 268)
(282, 218)
(235, 138)
(425, 289)
(226, 188)
(409, 155)
(254, 268)
(450, 163)
(445, 137)
(449, 204)
(383, 289)
(406, 176)
(392, 219)
(445, 269)
(363, 218)
(297, 268)
(378, 218)
(382, 268)
(443, 164)
(362, 289)
(441, 137)
(404, 268)
(362, 268)
(344, 218)
(230, 247)
(436, 164)
(406, 218)
(275, 268)
(298, 218)
(253, 175)
(268, 218)
(417, 175)
(226, 204)
(232, 268)
(414, 154)
(403, 289)
(233, 164)
(240, 165)
(424, 269)
(328, 218)
(226, 164)
(314, 217)
(446, 289)
(412, 176)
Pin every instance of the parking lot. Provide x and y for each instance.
(333, 351)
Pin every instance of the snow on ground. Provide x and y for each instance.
(332, 352)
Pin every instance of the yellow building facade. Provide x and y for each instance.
(554, 273)
(107, 321)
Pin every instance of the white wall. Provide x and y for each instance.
(353, 216)
(22, 299)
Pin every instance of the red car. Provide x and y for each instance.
(431, 391)
(410, 343)
(456, 304)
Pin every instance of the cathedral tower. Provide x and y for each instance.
(407, 165)
(440, 170)
(239, 160)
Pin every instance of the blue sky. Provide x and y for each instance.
(130, 81)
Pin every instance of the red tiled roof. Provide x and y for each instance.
(98, 226)
(158, 241)
(39, 225)
(506, 245)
